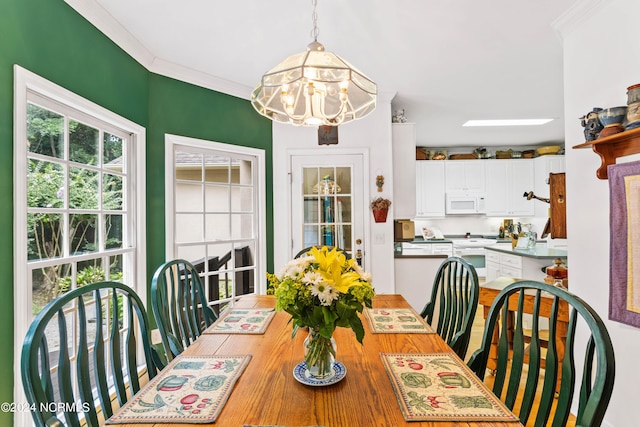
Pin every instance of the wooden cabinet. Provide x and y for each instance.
(506, 183)
(430, 188)
(404, 178)
(543, 166)
(465, 176)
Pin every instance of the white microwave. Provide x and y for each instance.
(464, 204)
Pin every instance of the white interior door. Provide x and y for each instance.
(327, 202)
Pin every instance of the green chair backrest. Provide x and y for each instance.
(96, 349)
(308, 248)
(559, 377)
(180, 306)
(453, 304)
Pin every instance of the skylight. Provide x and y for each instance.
(507, 122)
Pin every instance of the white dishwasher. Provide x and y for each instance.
(472, 250)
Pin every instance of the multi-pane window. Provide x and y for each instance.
(77, 201)
(216, 218)
(327, 207)
(78, 206)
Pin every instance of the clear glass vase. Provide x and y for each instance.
(319, 354)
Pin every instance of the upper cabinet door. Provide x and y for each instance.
(404, 166)
(465, 176)
(430, 189)
(507, 181)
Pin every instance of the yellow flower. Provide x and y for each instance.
(326, 258)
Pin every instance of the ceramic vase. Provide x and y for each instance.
(319, 354)
(633, 107)
(380, 215)
(591, 124)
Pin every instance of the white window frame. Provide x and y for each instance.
(260, 172)
(26, 82)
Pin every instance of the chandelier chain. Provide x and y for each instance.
(314, 18)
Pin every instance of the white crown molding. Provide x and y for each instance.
(109, 26)
(199, 78)
(576, 14)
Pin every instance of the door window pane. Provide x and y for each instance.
(327, 207)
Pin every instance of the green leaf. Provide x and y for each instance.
(356, 325)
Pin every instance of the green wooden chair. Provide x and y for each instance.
(95, 350)
(308, 248)
(180, 306)
(559, 377)
(453, 304)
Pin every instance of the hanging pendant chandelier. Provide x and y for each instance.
(314, 88)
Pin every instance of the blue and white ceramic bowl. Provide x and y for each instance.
(612, 116)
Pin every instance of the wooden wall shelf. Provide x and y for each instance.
(613, 146)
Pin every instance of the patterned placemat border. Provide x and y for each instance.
(396, 321)
(243, 321)
(183, 393)
(439, 387)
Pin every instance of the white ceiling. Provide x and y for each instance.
(446, 61)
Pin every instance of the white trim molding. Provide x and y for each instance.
(25, 82)
(110, 27)
(577, 13)
(170, 141)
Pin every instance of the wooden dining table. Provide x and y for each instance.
(268, 394)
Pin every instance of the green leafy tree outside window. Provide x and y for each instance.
(46, 193)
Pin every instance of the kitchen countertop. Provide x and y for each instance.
(398, 255)
(539, 252)
(449, 239)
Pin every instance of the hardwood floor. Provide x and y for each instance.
(474, 344)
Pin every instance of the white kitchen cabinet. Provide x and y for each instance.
(543, 166)
(465, 176)
(506, 183)
(404, 175)
(514, 265)
(430, 189)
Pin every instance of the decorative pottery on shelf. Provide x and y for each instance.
(633, 107)
(612, 119)
(591, 124)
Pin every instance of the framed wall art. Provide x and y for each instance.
(624, 273)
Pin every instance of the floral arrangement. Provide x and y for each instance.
(380, 203)
(323, 290)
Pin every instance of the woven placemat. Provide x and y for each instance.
(396, 321)
(192, 389)
(439, 387)
(242, 321)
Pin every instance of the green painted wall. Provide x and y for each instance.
(179, 108)
(50, 39)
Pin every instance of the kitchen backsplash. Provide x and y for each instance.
(476, 225)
